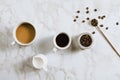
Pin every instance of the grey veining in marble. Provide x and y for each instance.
(50, 17)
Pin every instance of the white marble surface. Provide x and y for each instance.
(50, 17)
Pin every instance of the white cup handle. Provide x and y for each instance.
(55, 49)
(13, 43)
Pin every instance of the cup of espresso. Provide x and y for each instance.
(39, 62)
(24, 34)
(61, 41)
(85, 40)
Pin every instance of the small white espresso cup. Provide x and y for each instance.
(79, 43)
(39, 62)
(15, 38)
(61, 41)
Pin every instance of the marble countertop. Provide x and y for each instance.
(52, 16)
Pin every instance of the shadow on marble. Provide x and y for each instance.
(5, 37)
(74, 45)
(3, 42)
(45, 45)
(25, 66)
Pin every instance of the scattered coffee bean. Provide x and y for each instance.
(83, 21)
(94, 22)
(106, 28)
(101, 25)
(74, 20)
(77, 16)
(93, 32)
(103, 16)
(117, 23)
(87, 18)
(86, 40)
(78, 11)
(99, 17)
(87, 8)
(87, 12)
(95, 10)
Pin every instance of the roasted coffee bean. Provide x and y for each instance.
(78, 11)
(99, 17)
(83, 21)
(103, 16)
(101, 25)
(95, 10)
(106, 28)
(87, 18)
(77, 16)
(74, 20)
(87, 8)
(117, 23)
(87, 12)
(93, 32)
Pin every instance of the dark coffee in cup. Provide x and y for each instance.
(62, 40)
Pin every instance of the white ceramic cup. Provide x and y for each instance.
(15, 38)
(80, 45)
(39, 62)
(57, 47)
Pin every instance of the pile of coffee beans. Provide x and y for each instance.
(86, 40)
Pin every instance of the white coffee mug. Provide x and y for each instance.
(39, 62)
(15, 38)
(79, 37)
(66, 44)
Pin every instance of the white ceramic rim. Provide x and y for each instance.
(44, 59)
(62, 48)
(81, 46)
(14, 34)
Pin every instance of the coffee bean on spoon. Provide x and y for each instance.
(94, 22)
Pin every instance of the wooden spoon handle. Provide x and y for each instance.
(108, 41)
